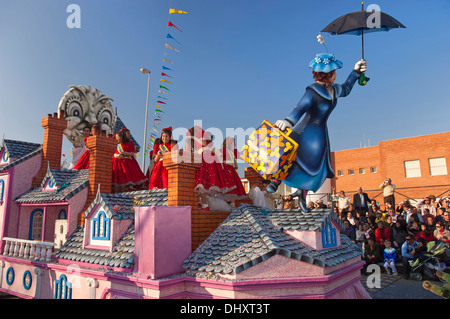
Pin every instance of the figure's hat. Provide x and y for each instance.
(325, 62)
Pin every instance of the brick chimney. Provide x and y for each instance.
(101, 148)
(54, 127)
(181, 169)
(254, 178)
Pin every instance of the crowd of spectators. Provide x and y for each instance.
(388, 234)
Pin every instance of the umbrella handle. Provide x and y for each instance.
(363, 80)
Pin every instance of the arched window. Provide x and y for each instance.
(63, 289)
(62, 214)
(36, 219)
(101, 227)
(329, 238)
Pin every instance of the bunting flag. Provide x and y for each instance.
(170, 24)
(171, 47)
(176, 11)
(168, 61)
(166, 73)
(171, 37)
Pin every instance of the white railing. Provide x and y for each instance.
(28, 249)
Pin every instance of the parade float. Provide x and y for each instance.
(66, 235)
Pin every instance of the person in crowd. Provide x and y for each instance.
(351, 219)
(398, 235)
(425, 233)
(382, 234)
(388, 192)
(361, 216)
(361, 200)
(390, 257)
(425, 204)
(320, 204)
(311, 205)
(389, 222)
(380, 216)
(360, 236)
(413, 225)
(444, 202)
(349, 231)
(373, 208)
(429, 222)
(441, 234)
(126, 173)
(433, 201)
(343, 202)
(440, 214)
(446, 219)
(289, 203)
(279, 202)
(372, 253)
(391, 213)
(409, 252)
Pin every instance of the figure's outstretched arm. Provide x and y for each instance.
(345, 88)
(302, 107)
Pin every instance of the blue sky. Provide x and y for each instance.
(240, 62)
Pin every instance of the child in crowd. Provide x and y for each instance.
(390, 257)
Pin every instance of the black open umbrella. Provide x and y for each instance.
(360, 22)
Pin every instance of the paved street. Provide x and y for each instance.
(395, 287)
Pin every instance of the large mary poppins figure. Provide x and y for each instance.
(312, 164)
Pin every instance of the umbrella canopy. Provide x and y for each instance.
(355, 23)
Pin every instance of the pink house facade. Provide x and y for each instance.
(134, 245)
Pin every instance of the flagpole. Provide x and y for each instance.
(144, 147)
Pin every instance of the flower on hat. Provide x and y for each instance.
(320, 39)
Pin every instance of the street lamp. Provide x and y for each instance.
(145, 71)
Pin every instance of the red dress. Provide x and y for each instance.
(159, 177)
(216, 178)
(230, 165)
(126, 171)
(83, 162)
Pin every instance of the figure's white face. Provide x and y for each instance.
(85, 106)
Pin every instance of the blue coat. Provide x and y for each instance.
(312, 165)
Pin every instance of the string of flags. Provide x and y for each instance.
(164, 90)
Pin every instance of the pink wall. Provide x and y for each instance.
(162, 240)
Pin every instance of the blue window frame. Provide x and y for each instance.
(5, 156)
(36, 222)
(329, 238)
(101, 227)
(50, 183)
(62, 214)
(27, 280)
(10, 276)
(2, 188)
(63, 289)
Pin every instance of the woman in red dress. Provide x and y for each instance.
(83, 162)
(211, 178)
(229, 155)
(126, 172)
(159, 176)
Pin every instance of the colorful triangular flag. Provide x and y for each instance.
(162, 80)
(163, 74)
(166, 68)
(171, 47)
(171, 10)
(170, 24)
(169, 36)
(168, 61)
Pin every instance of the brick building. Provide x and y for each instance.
(418, 166)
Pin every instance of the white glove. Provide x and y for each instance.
(361, 66)
(283, 124)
